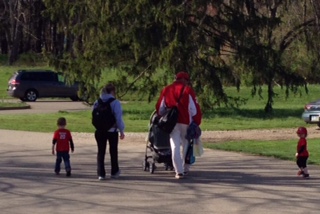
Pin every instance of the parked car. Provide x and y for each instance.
(311, 113)
(29, 85)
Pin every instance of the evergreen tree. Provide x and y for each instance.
(207, 38)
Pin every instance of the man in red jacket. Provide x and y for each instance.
(189, 111)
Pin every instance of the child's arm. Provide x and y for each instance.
(71, 145)
(54, 141)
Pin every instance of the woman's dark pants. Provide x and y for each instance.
(113, 138)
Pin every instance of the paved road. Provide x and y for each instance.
(220, 182)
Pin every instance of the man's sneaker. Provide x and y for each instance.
(57, 173)
(68, 174)
(306, 175)
(179, 176)
(101, 178)
(116, 175)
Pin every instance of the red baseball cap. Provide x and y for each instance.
(182, 75)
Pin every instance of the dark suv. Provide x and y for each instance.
(28, 85)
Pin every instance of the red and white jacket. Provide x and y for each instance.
(188, 107)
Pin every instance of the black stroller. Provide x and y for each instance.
(158, 148)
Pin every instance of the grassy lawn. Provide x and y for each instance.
(287, 114)
(137, 114)
(279, 149)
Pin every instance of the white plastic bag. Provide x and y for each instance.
(197, 148)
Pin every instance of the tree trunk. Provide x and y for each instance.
(4, 46)
(268, 108)
(14, 52)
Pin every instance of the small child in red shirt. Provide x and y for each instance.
(60, 143)
(302, 154)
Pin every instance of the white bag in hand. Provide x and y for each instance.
(197, 148)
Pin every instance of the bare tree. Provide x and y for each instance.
(316, 7)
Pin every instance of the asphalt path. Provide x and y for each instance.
(219, 182)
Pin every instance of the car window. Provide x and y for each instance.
(47, 76)
(61, 78)
(28, 76)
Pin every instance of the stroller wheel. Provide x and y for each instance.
(166, 167)
(152, 168)
(145, 165)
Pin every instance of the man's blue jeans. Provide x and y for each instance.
(66, 159)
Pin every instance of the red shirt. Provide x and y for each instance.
(169, 97)
(302, 149)
(62, 137)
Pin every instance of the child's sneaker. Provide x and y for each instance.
(306, 175)
(300, 172)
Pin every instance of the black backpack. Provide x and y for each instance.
(168, 121)
(102, 116)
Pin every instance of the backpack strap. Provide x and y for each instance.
(100, 101)
(181, 94)
(110, 100)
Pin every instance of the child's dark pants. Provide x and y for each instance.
(302, 162)
(66, 159)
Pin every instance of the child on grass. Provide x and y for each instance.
(302, 154)
(61, 143)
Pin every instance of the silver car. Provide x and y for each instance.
(311, 113)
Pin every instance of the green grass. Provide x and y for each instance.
(135, 117)
(287, 114)
(284, 150)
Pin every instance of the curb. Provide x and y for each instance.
(15, 108)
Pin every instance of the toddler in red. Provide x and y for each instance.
(61, 143)
(302, 154)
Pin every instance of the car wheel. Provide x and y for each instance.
(31, 95)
